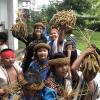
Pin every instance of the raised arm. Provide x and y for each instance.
(61, 36)
(19, 30)
(79, 59)
(24, 39)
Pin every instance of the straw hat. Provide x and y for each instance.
(39, 24)
(59, 61)
(41, 45)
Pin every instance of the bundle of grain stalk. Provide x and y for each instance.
(91, 62)
(66, 19)
(20, 29)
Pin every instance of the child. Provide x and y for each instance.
(67, 82)
(39, 69)
(9, 76)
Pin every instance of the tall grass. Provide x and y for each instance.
(81, 44)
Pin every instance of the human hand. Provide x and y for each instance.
(89, 50)
(2, 91)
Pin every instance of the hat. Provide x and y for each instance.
(39, 24)
(7, 53)
(4, 36)
(59, 61)
(41, 45)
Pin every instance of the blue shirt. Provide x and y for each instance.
(45, 94)
(35, 65)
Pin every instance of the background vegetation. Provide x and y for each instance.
(87, 13)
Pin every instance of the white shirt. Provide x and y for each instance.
(3, 74)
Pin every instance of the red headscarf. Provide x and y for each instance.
(7, 53)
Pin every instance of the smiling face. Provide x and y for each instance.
(42, 53)
(8, 62)
(61, 70)
(54, 34)
(38, 30)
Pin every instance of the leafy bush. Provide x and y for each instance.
(95, 26)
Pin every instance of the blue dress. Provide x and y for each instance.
(45, 94)
(35, 65)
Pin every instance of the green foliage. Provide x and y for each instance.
(21, 44)
(95, 7)
(95, 25)
(81, 7)
(35, 17)
(95, 38)
(77, 5)
(80, 22)
(52, 9)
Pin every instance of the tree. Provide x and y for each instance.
(77, 5)
(80, 6)
(52, 9)
(87, 12)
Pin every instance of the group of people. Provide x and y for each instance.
(50, 70)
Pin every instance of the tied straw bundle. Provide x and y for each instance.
(14, 89)
(91, 62)
(73, 94)
(20, 29)
(68, 17)
(15, 86)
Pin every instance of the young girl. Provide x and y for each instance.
(41, 62)
(57, 41)
(39, 69)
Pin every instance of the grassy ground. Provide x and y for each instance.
(95, 38)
